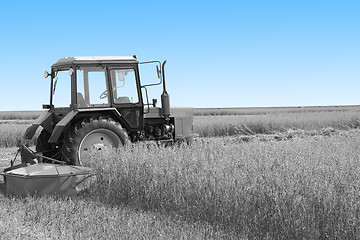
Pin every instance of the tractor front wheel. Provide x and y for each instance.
(94, 133)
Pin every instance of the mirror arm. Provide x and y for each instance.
(153, 84)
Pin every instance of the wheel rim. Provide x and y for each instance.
(98, 139)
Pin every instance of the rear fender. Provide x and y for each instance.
(44, 120)
(59, 128)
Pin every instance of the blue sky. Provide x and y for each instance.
(220, 53)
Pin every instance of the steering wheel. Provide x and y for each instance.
(103, 94)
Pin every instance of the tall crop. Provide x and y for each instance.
(11, 134)
(16, 115)
(306, 189)
(210, 126)
(271, 122)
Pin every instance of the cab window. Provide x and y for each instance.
(124, 86)
(91, 87)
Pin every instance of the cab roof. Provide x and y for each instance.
(96, 60)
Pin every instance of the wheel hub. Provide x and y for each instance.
(98, 139)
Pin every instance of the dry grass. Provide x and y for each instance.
(306, 187)
(13, 126)
(302, 188)
(297, 189)
(59, 218)
(16, 115)
(11, 134)
(249, 121)
(211, 126)
(272, 110)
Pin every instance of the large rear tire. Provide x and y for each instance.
(93, 133)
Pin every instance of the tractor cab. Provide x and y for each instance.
(79, 83)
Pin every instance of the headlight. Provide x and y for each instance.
(46, 74)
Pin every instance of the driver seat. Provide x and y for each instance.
(80, 100)
(123, 100)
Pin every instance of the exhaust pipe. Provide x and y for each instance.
(165, 98)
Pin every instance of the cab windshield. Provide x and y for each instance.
(92, 88)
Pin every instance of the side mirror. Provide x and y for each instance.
(158, 71)
(46, 74)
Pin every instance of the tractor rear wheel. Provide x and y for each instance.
(93, 133)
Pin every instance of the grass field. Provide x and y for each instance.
(213, 126)
(303, 188)
(57, 218)
(273, 110)
(210, 122)
(19, 115)
(280, 175)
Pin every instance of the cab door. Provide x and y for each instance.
(126, 95)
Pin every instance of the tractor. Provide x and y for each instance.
(101, 102)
